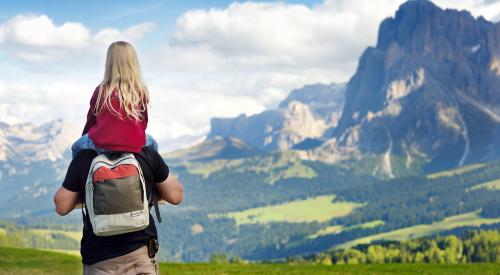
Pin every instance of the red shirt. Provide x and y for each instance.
(110, 132)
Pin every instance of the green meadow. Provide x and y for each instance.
(21, 261)
(422, 230)
(49, 233)
(320, 209)
(335, 229)
(456, 172)
(491, 185)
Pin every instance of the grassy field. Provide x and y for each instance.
(335, 229)
(417, 231)
(278, 166)
(456, 172)
(16, 261)
(319, 209)
(491, 185)
(75, 235)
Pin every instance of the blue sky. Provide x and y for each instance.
(97, 14)
(200, 59)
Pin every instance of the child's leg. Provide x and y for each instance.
(84, 142)
(150, 141)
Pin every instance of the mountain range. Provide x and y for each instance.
(423, 99)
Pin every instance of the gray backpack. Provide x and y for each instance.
(115, 195)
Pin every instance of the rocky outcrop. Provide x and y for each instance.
(429, 90)
(25, 143)
(307, 112)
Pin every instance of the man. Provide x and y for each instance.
(127, 253)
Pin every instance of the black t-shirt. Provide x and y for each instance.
(94, 248)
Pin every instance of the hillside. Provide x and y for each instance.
(408, 147)
(427, 90)
(29, 261)
(424, 98)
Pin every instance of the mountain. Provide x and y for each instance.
(425, 96)
(427, 92)
(307, 112)
(215, 148)
(33, 161)
(25, 143)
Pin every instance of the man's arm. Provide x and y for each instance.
(171, 190)
(65, 201)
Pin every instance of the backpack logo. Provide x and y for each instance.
(136, 214)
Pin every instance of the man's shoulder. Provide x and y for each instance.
(86, 153)
(149, 154)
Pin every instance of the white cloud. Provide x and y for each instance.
(252, 54)
(36, 38)
(278, 36)
(243, 58)
(489, 9)
(39, 103)
(39, 30)
(139, 30)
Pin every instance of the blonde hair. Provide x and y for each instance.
(123, 74)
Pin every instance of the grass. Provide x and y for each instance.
(294, 170)
(318, 209)
(336, 229)
(333, 229)
(209, 167)
(455, 172)
(20, 261)
(75, 235)
(16, 261)
(376, 269)
(3, 231)
(491, 185)
(64, 251)
(280, 165)
(417, 231)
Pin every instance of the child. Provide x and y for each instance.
(117, 118)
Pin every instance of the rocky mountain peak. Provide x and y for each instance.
(423, 91)
(307, 112)
(27, 142)
(420, 25)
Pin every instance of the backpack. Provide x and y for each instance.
(115, 195)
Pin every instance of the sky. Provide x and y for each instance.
(199, 59)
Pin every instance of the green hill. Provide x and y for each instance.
(216, 148)
(16, 261)
(20, 261)
(417, 231)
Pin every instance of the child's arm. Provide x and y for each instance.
(91, 118)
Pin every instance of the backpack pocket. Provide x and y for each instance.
(117, 196)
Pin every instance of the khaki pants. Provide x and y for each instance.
(135, 262)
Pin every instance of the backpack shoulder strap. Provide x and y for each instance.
(155, 204)
(154, 195)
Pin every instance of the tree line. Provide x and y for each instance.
(475, 247)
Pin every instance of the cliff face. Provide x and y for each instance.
(307, 112)
(429, 89)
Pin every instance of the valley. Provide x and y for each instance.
(407, 148)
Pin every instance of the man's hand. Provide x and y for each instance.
(65, 201)
(171, 190)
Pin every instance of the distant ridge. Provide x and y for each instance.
(215, 148)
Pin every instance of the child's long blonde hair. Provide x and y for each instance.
(123, 74)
